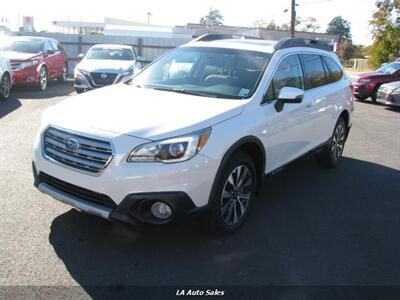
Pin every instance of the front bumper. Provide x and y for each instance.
(388, 99)
(123, 182)
(362, 89)
(86, 82)
(134, 208)
(26, 76)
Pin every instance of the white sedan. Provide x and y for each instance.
(105, 64)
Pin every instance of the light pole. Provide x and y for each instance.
(148, 17)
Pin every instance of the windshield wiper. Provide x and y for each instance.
(192, 92)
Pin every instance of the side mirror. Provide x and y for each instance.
(50, 52)
(80, 56)
(141, 59)
(288, 95)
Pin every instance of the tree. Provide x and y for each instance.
(386, 32)
(261, 23)
(340, 26)
(214, 18)
(310, 25)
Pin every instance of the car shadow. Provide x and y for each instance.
(54, 89)
(9, 105)
(310, 226)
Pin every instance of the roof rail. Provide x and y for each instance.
(290, 42)
(208, 37)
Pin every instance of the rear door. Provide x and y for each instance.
(321, 94)
(60, 57)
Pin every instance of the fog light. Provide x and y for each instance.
(30, 79)
(161, 210)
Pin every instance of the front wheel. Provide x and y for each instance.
(5, 87)
(234, 193)
(42, 79)
(330, 156)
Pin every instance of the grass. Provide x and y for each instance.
(352, 70)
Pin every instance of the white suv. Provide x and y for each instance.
(195, 131)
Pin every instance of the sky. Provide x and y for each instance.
(180, 12)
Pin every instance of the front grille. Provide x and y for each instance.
(103, 78)
(80, 152)
(15, 66)
(77, 191)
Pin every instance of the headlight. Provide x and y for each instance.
(27, 64)
(171, 150)
(128, 72)
(364, 80)
(83, 72)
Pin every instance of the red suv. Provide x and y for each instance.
(366, 85)
(35, 60)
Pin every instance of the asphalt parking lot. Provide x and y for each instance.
(310, 226)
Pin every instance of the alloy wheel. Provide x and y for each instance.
(43, 79)
(65, 74)
(236, 195)
(5, 86)
(338, 141)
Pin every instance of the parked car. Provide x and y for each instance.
(35, 60)
(366, 85)
(105, 65)
(389, 94)
(195, 131)
(5, 77)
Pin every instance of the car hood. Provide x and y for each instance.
(140, 112)
(392, 85)
(19, 56)
(105, 65)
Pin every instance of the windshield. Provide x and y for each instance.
(218, 72)
(389, 68)
(113, 54)
(23, 45)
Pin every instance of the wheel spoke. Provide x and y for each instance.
(236, 194)
(235, 213)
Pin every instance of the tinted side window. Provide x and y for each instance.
(54, 44)
(336, 72)
(288, 74)
(47, 46)
(314, 70)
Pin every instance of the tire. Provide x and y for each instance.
(63, 78)
(374, 96)
(330, 156)
(5, 86)
(79, 91)
(43, 79)
(232, 197)
(361, 98)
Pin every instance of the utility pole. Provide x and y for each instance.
(148, 17)
(293, 18)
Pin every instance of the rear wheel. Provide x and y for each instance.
(330, 156)
(234, 193)
(43, 79)
(5, 86)
(79, 91)
(63, 78)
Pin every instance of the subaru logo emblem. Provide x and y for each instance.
(72, 144)
(103, 75)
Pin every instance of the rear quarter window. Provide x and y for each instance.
(315, 75)
(335, 71)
